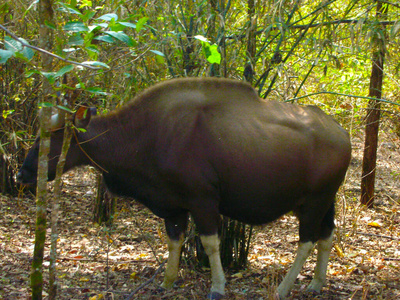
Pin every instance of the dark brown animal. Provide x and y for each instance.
(209, 147)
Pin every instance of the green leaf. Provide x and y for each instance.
(5, 55)
(158, 53)
(210, 51)
(64, 70)
(212, 54)
(127, 24)
(98, 26)
(46, 104)
(76, 40)
(80, 129)
(108, 17)
(88, 15)
(50, 76)
(93, 49)
(85, 3)
(97, 91)
(96, 64)
(159, 56)
(69, 9)
(20, 56)
(31, 72)
(18, 49)
(65, 108)
(116, 27)
(6, 113)
(121, 36)
(28, 53)
(11, 44)
(75, 27)
(140, 23)
(105, 38)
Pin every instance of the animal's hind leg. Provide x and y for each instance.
(175, 228)
(313, 227)
(324, 250)
(303, 252)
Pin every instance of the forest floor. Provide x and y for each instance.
(114, 262)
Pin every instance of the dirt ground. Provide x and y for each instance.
(127, 258)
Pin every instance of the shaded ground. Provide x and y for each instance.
(365, 261)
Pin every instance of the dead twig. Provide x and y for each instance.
(379, 235)
(160, 268)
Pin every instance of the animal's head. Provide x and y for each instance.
(27, 175)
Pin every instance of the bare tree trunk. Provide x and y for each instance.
(7, 184)
(248, 72)
(41, 197)
(373, 114)
(46, 38)
(54, 211)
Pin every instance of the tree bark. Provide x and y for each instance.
(45, 42)
(373, 112)
(251, 42)
(54, 211)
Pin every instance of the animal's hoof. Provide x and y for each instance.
(215, 296)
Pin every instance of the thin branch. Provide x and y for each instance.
(341, 94)
(379, 235)
(337, 22)
(160, 268)
(46, 52)
(350, 21)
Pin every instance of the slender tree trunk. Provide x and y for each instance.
(54, 211)
(46, 38)
(41, 196)
(251, 42)
(373, 114)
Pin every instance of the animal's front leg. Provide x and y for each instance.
(211, 247)
(175, 228)
(174, 254)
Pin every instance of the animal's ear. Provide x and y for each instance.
(82, 117)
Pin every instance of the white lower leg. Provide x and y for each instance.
(171, 271)
(303, 252)
(324, 250)
(211, 247)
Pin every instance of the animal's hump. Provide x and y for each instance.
(206, 85)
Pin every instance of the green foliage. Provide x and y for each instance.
(210, 51)
(14, 48)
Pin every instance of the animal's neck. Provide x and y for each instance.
(106, 144)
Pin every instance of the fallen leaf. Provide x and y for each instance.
(375, 224)
(97, 297)
(83, 279)
(338, 250)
